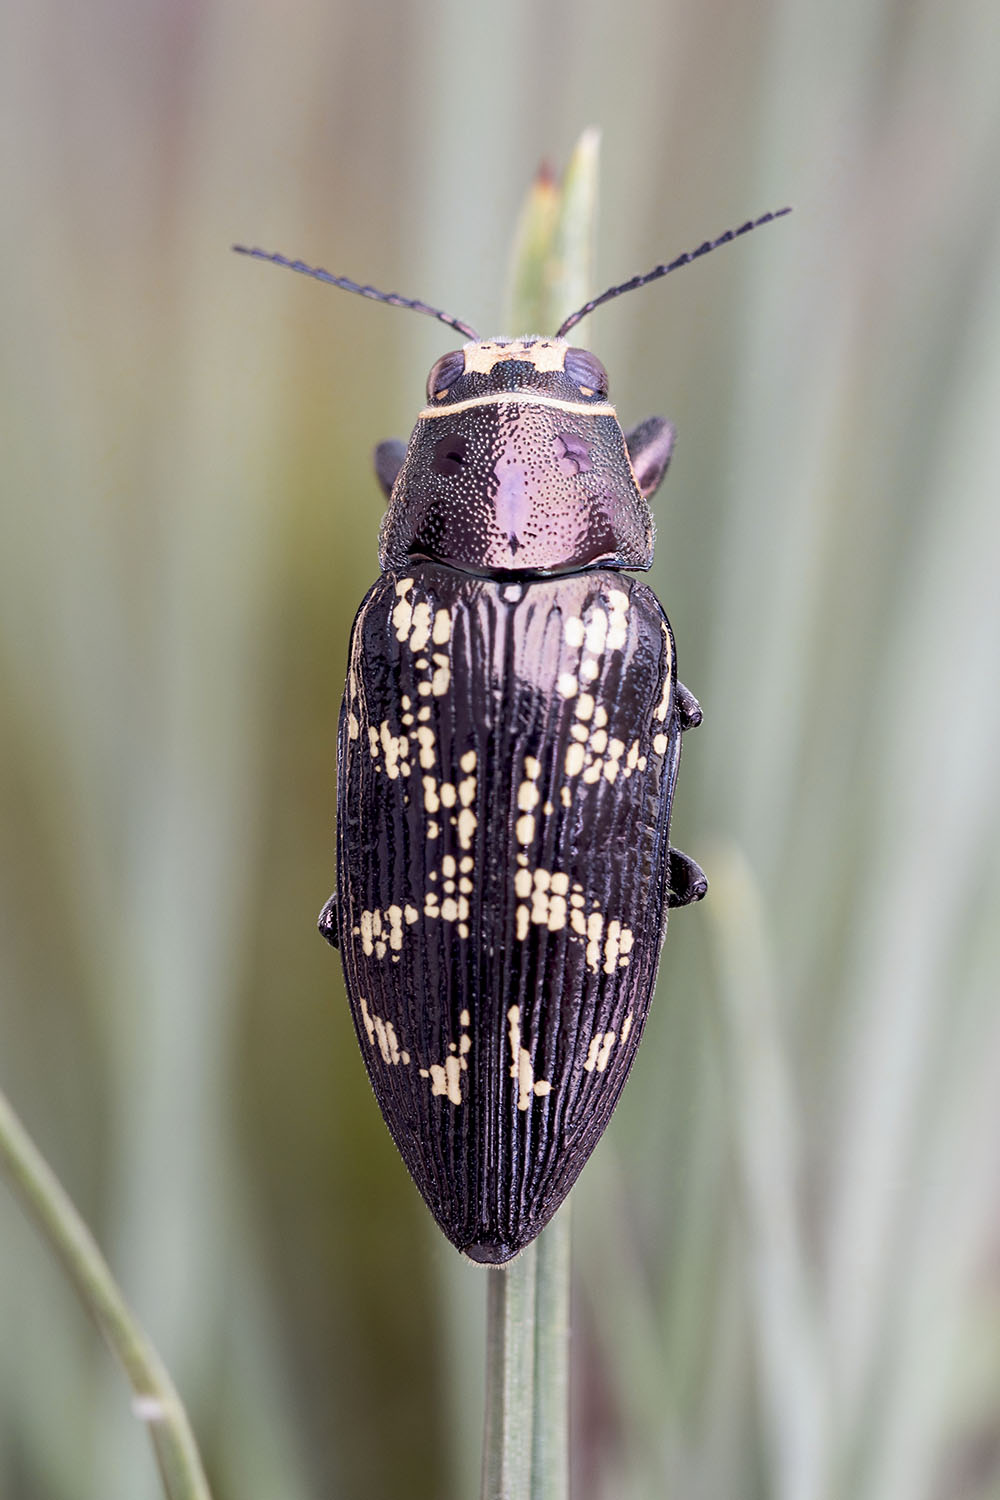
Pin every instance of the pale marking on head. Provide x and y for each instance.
(522, 398)
(545, 354)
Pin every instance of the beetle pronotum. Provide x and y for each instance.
(508, 750)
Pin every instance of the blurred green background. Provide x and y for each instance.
(787, 1248)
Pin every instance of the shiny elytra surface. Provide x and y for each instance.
(506, 765)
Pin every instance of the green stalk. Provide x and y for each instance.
(526, 1438)
(156, 1401)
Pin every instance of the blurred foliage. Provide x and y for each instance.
(788, 1247)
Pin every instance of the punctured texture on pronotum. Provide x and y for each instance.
(509, 744)
(508, 750)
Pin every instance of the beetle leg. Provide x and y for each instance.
(649, 448)
(388, 462)
(328, 921)
(687, 880)
(688, 707)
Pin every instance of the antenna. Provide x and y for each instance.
(393, 298)
(664, 270)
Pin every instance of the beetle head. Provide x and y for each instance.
(517, 466)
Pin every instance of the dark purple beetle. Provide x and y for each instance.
(508, 750)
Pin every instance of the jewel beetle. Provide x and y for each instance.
(508, 750)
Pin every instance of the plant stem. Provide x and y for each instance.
(156, 1401)
(526, 1439)
(550, 1438)
(510, 1379)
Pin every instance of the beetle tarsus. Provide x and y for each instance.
(328, 922)
(687, 880)
(688, 707)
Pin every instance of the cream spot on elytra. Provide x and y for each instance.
(382, 1034)
(599, 1052)
(522, 1068)
(446, 1077)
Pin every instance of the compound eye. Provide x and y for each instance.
(444, 374)
(587, 371)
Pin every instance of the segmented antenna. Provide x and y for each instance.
(664, 270)
(393, 298)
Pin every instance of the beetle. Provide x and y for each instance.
(508, 750)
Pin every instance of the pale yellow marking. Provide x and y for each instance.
(373, 741)
(433, 829)
(383, 1034)
(523, 922)
(568, 685)
(449, 866)
(618, 622)
(353, 727)
(574, 759)
(565, 796)
(446, 1077)
(547, 356)
(467, 863)
(431, 799)
(420, 632)
(468, 761)
(611, 949)
(574, 631)
(528, 796)
(466, 827)
(579, 732)
(522, 882)
(521, 1067)
(595, 929)
(447, 793)
(394, 748)
(660, 743)
(590, 668)
(442, 675)
(599, 1052)
(522, 398)
(442, 628)
(402, 615)
(585, 706)
(663, 707)
(626, 1028)
(524, 828)
(532, 767)
(467, 791)
(425, 739)
(596, 632)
